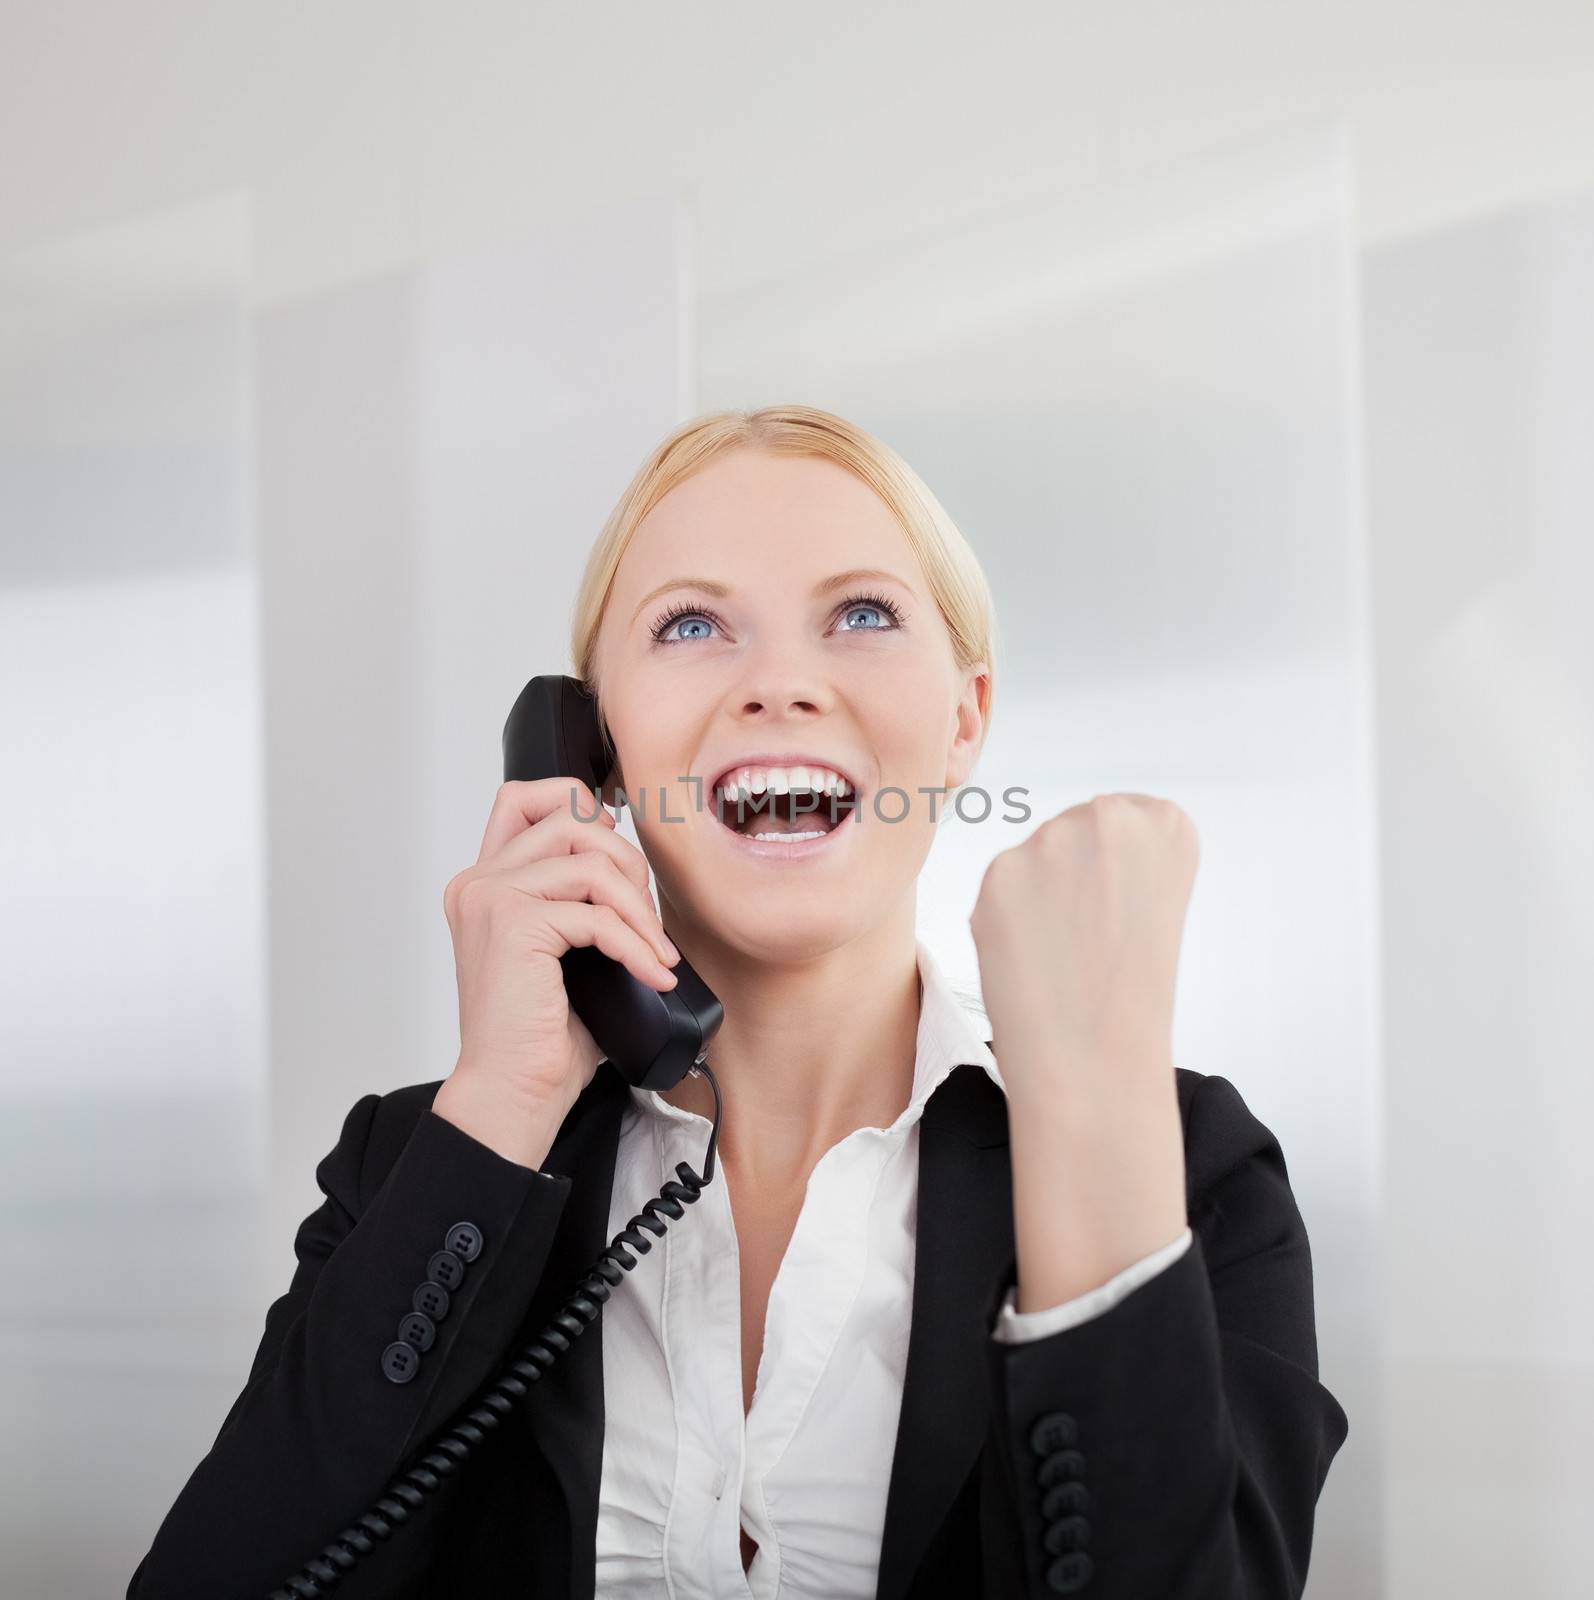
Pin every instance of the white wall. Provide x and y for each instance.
(438, 448)
(377, 133)
(1480, 385)
(132, 880)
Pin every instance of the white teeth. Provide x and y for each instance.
(746, 782)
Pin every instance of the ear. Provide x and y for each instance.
(967, 733)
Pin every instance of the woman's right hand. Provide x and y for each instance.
(544, 881)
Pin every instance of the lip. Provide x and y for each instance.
(758, 850)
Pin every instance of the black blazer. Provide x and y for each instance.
(1170, 1449)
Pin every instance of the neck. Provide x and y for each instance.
(811, 1049)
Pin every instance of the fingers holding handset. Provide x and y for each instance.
(552, 874)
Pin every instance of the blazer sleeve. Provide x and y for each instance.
(1177, 1444)
(329, 1413)
(1016, 1326)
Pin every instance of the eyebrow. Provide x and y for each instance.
(721, 591)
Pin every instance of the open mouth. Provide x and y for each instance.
(783, 808)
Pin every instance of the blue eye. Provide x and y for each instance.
(877, 603)
(685, 624)
(879, 611)
(682, 616)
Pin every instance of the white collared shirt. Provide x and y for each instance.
(806, 1471)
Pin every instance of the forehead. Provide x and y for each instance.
(745, 507)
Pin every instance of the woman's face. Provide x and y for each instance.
(736, 631)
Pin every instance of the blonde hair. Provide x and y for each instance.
(957, 581)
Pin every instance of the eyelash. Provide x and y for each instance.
(663, 623)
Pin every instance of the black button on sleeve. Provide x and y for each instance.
(1065, 1499)
(465, 1240)
(1057, 1430)
(419, 1330)
(1068, 1573)
(400, 1362)
(446, 1268)
(1067, 1533)
(431, 1298)
(1059, 1467)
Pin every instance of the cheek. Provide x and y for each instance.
(921, 759)
(676, 867)
(918, 681)
(901, 823)
(649, 742)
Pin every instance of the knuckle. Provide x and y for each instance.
(1183, 825)
(450, 890)
(998, 871)
(594, 866)
(474, 898)
(580, 809)
(561, 824)
(1112, 813)
(626, 859)
(583, 800)
(1056, 833)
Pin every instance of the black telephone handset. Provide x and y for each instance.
(653, 1038)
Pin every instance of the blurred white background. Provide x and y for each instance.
(1252, 347)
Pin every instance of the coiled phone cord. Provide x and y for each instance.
(407, 1492)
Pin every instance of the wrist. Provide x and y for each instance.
(1090, 1096)
(521, 1128)
(1112, 1165)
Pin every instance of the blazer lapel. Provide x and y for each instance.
(560, 1410)
(964, 1257)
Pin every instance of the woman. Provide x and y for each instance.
(1025, 1329)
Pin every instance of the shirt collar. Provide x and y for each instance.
(952, 1033)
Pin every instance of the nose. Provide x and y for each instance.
(793, 705)
(781, 688)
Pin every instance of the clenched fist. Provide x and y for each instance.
(1078, 930)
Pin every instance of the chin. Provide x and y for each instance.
(773, 927)
(797, 940)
